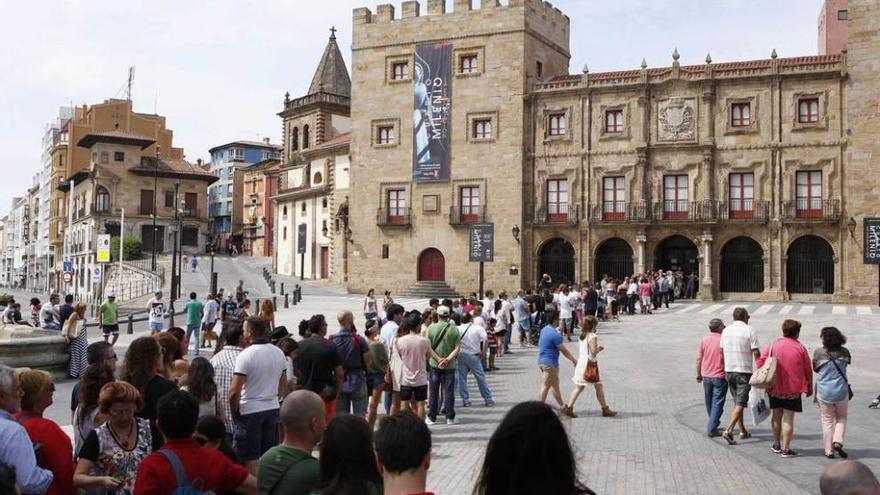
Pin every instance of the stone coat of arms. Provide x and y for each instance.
(676, 120)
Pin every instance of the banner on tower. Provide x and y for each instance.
(432, 91)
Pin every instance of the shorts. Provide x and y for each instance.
(646, 300)
(795, 405)
(375, 381)
(114, 329)
(738, 383)
(156, 326)
(550, 374)
(418, 393)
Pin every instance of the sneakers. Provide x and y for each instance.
(728, 436)
(743, 435)
(789, 453)
(466, 404)
(776, 448)
(490, 403)
(716, 433)
(839, 449)
(451, 421)
(429, 421)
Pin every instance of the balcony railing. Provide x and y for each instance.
(102, 208)
(687, 211)
(189, 213)
(394, 217)
(466, 215)
(620, 211)
(811, 210)
(557, 214)
(745, 210)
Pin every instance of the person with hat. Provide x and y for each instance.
(445, 341)
(156, 307)
(108, 318)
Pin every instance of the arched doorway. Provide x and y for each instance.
(742, 266)
(677, 252)
(810, 266)
(614, 258)
(557, 260)
(432, 266)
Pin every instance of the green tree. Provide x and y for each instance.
(131, 246)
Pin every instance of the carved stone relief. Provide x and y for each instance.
(677, 120)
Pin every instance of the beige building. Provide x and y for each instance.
(313, 182)
(253, 211)
(752, 175)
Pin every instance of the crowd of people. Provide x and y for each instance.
(265, 412)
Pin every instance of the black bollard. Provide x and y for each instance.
(130, 329)
(286, 301)
(274, 303)
(257, 305)
(282, 288)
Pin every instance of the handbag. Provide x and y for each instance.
(591, 374)
(848, 386)
(765, 377)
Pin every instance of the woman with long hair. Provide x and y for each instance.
(312, 325)
(370, 307)
(831, 364)
(377, 372)
(200, 384)
(75, 334)
(347, 460)
(87, 415)
(143, 362)
(267, 313)
(588, 351)
(529, 428)
(169, 346)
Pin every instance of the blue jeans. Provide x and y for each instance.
(446, 378)
(354, 402)
(507, 336)
(255, 434)
(156, 326)
(715, 391)
(194, 328)
(470, 363)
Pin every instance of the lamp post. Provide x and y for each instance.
(121, 243)
(155, 188)
(70, 183)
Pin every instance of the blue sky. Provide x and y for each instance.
(218, 70)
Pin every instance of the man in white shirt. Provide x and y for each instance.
(473, 346)
(632, 295)
(394, 315)
(259, 382)
(563, 301)
(156, 307)
(740, 346)
(489, 305)
(210, 315)
(505, 321)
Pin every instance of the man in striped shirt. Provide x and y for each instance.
(224, 365)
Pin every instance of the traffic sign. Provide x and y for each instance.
(103, 255)
(68, 266)
(68, 277)
(96, 274)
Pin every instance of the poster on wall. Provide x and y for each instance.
(872, 241)
(432, 91)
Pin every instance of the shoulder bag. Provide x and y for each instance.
(765, 377)
(845, 380)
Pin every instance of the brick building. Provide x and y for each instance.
(253, 211)
(739, 172)
(832, 26)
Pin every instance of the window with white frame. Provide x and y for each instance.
(808, 194)
(556, 124)
(482, 129)
(675, 196)
(557, 200)
(614, 121)
(399, 71)
(385, 134)
(808, 110)
(740, 114)
(742, 194)
(236, 154)
(467, 64)
(613, 199)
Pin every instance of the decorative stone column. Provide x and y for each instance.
(706, 285)
(641, 239)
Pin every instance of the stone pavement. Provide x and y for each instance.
(656, 444)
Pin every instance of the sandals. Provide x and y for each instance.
(838, 447)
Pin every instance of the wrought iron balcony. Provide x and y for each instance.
(466, 215)
(557, 214)
(811, 210)
(189, 213)
(745, 210)
(394, 217)
(686, 211)
(620, 211)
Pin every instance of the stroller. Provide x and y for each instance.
(534, 328)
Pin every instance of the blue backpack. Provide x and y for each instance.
(183, 486)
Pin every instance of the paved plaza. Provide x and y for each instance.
(655, 444)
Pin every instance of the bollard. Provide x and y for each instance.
(286, 301)
(294, 297)
(172, 320)
(282, 288)
(274, 303)
(299, 293)
(257, 304)
(273, 287)
(130, 329)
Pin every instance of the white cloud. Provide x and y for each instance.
(220, 68)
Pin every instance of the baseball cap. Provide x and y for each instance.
(443, 311)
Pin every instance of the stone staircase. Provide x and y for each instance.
(135, 280)
(428, 290)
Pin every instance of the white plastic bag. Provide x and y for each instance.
(759, 406)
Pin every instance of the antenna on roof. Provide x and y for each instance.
(129, 83)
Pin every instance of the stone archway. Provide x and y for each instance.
(556, 258)
(614, 257)
(742, 266)
(677, 252)
(809, 268)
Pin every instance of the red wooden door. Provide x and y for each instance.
(325, 262)
(432, 266)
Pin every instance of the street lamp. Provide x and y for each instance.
(155, 188)
(515, 232)
(851, 225)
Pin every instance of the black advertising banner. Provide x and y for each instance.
(872, 241)
(482, 242)
(301, 238)
(432, 90)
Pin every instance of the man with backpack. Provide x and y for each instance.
(356, 359)
(182, 466)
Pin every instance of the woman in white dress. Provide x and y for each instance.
(588, 351)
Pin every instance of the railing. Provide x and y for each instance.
(189, 213)
(811, 209)
(466, 215)
(747, 210)
(557, 214)
(101, 208)
(690, 211)
(394, 217)
(620, 211)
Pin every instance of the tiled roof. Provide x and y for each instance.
(340, 139)
(746, 64)
(173, 168)
(118, 137)
(244, 142)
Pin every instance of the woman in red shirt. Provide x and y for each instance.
(794, 376)
(52, 445)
